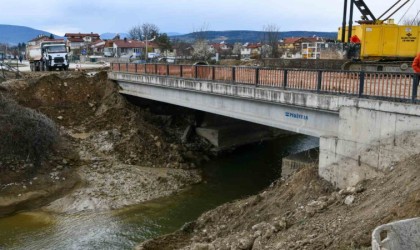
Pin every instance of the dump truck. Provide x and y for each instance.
(47, 55)
(378, 44)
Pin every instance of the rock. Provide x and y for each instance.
(158, 144)
(315, 206)
(65, 84)
(257, 244)
(280, 225)
(59, 167)
(264, 229)
(202, 246)
(352, 190)
(246, 243)
(349, 200)
(60, 117)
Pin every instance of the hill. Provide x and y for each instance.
(14, 34)
(249, 35)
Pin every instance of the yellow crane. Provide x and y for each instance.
(378, 44)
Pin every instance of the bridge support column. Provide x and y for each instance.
(369, 143)
(225, 133)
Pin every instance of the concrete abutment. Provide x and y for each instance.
(370, 141)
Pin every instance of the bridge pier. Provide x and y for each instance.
(224, 132)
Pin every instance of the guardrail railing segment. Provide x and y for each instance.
(379, 85)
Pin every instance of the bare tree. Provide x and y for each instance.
(412, 21)
(202, 50)
(136, 32)
(237, 49)
(266, 51)
(25, 133)
(200, 46)
(181, 47)
(272, 37)
(149, 30)
(144, 31)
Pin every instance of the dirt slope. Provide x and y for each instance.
(304, 212)
(115, 143)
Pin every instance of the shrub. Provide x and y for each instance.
(25, 134)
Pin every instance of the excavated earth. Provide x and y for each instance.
(112, 153)
(306, 212)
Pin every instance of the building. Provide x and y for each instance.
(79, 43)
(97, 48)
(131, 48)
(251, 50)
(311, 48)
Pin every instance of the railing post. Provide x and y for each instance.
(362, 83)
(319, 81)
(213, 73)
(126, 67)
(257, 76)
(135, 67)
(145, 69)
(195, 71)
(285, 79)
(156, 72)
(119, 67)
(180, 71)
(415, 87)
(233, 74)
(167, 69)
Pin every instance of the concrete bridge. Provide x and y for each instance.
(351, 112)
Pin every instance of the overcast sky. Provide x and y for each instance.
(183, 16)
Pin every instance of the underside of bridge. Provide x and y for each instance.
(358, 137)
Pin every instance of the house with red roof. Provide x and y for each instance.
(80, 41)
(130, 48)
(251, 50)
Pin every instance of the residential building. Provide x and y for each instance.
(311, 48)
(251, 50)
(97, 48)
(80, 42)
(131, 48)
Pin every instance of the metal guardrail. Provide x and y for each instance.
(402, 87)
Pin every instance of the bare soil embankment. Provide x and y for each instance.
(306, 212)
(116, 155)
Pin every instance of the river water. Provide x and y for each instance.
(245, 172)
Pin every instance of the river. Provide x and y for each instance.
(244, 172)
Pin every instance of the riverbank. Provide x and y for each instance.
(120, 155)
(306, 212)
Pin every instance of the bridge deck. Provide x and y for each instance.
(377, 85)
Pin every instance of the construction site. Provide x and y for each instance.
(112, 155)
(90, 159)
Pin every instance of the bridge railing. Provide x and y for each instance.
(378, 85)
